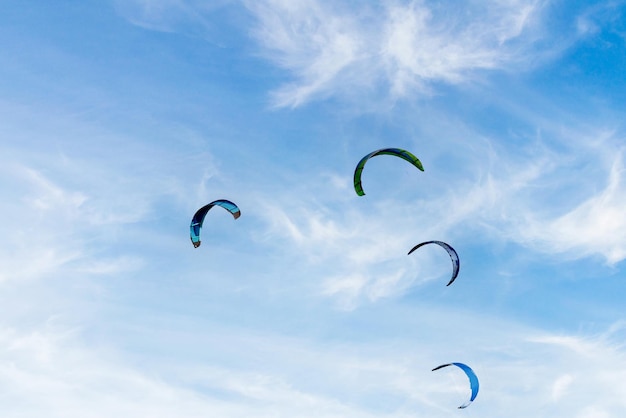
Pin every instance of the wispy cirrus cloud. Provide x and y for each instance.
(387, 50)
(65, 214)
(602, 16)
(423, 46)
(533, 203)
(313, 42)
(51, 229)
(543, 373)
(595, 226)
(403, 46)
(350, 255)
(194, 19)
(525, 196)
(168, 15)
(35, 209)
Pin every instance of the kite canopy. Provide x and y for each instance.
(456, 263)
(405, 155)
(198, 218)
(473, 380)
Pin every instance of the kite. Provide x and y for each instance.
(473, 380)
(405, 155)
(456, 264)
(198, 218)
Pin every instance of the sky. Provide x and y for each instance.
(120, 118)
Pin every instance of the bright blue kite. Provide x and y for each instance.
(456, 263)
(198, 218)
(472, 379)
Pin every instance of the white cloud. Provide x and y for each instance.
(169, 15)
(602, 15)
(310, 40)
(56, 222)
(353, 249)
(332, 50)
(109, 266)
(348, 287)
(37, 207)
(43, 374)
(560, 386)
(251, 373)
(421, 47)
(360, 256)
(595, 226)
(529, 195)
(52, 227)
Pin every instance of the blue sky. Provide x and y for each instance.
(119, 119)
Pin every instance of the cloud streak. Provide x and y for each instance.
(595, 226)
(403, 46)
(51, 369)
